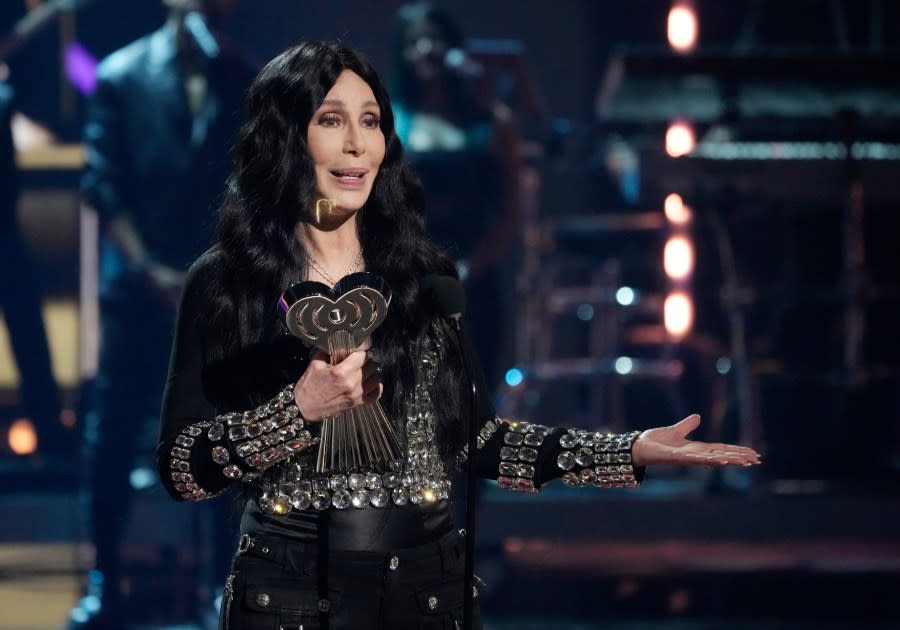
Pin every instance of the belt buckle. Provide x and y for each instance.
(245, 543)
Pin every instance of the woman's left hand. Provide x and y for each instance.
(670, 446)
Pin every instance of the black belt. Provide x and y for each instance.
(280, 549)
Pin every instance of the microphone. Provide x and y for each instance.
(450, 299)
(448, 296)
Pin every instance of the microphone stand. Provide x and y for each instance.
(471, 487)
(449, 298)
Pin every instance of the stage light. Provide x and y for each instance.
(514, 377)
(678, 258)
(142, 478)
(625, 296)
(723, 365)
(80, 68)
(90, 603)
(22, 437)
(682, 27)
(623, 365)
(585, 312)
(680, 139)
(676, 211)
(678, 314)
(79, 615)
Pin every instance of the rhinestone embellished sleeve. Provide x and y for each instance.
(598, 459)
(523, 456)
(238, 444)
(522, 443)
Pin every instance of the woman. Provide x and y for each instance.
(244, 399)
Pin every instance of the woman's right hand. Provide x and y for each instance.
(325, 390)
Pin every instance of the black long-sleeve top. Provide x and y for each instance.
(200, 389)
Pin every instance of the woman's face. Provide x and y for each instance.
(346, 143)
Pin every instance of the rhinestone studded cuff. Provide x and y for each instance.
(180, 463)
(519, 454)
(597, 459)
(260, 437)
(243, 443)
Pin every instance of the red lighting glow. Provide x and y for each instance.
(22, 437)
(678, 258)
(682, 27)
(678, 314)
(676, 211)
(680, 139)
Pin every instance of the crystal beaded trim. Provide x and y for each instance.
(266, 435)
(270, 432)
(597, 459)
(180, 464)
(418, 478)
(522, 444)
(221, 455)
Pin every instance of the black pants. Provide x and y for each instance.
(277, 584)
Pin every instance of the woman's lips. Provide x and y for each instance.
(350, 178)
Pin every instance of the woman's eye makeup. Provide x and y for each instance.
(368, 121)
(329, 120)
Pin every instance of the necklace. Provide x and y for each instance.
(321, 270)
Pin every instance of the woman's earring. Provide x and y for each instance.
(324, 208)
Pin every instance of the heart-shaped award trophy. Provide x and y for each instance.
(338, 321)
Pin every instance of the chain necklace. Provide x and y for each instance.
(321, 270)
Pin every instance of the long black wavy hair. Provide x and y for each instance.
(271, 189)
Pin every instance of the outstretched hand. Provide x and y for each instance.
(670, 446)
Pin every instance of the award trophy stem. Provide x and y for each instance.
(338, 320)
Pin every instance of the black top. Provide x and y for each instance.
(200, 386)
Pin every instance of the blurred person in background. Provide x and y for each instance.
(157, 135)
(466, 152)
(20, 282)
